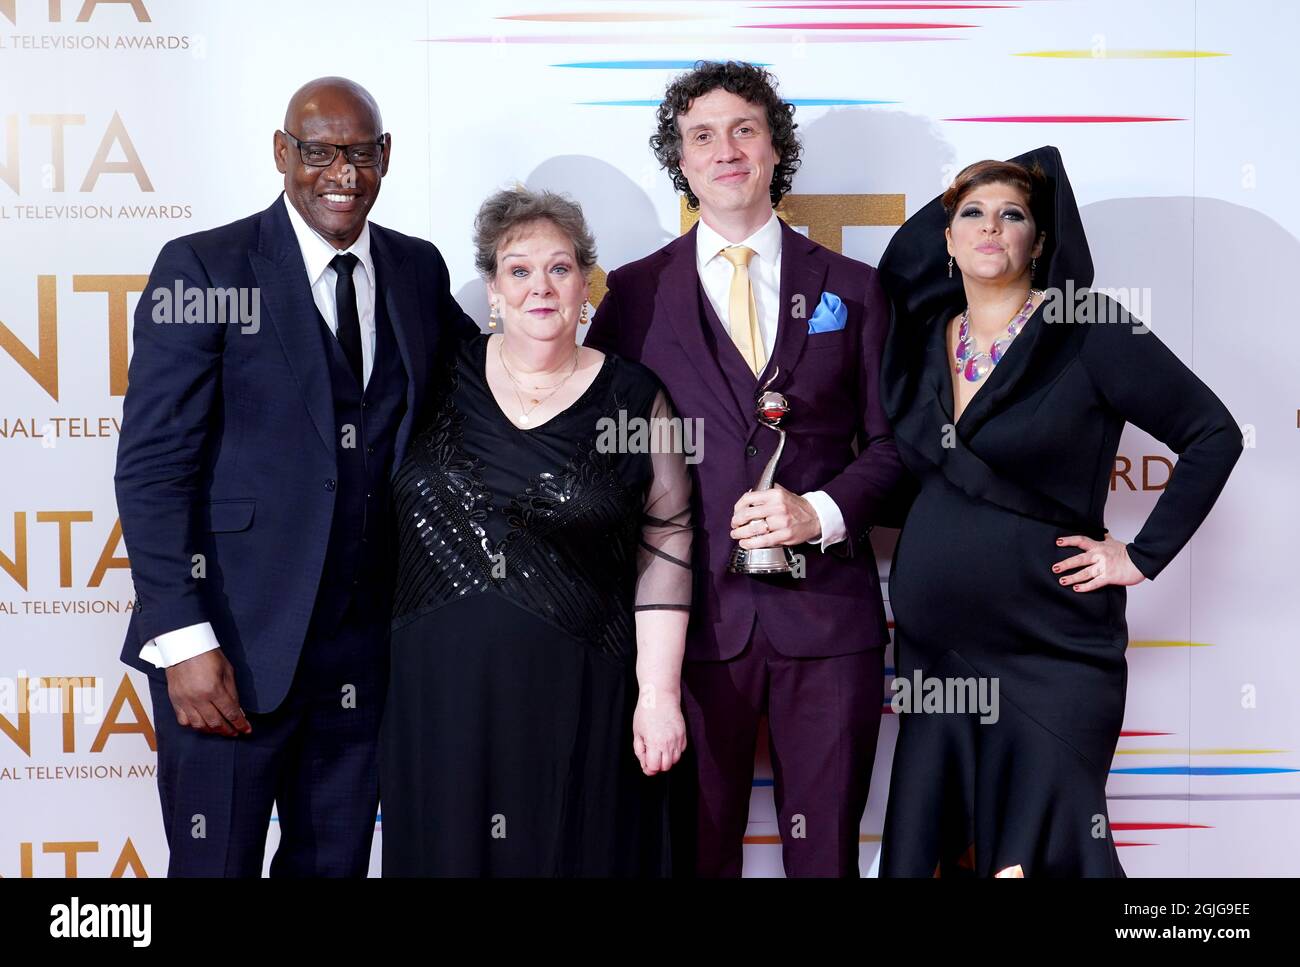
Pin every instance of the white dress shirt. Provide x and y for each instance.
(765, 281)
(173, 647)
(318, 254)
(764, 275)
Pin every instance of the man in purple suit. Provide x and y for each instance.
(740, 302)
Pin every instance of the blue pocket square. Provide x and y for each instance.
(830, 314)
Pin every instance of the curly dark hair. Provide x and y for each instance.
(752, 83)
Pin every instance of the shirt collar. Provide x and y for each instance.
(317, 253)
(766, 242)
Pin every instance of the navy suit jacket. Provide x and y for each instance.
(838, 439)
(228, 443)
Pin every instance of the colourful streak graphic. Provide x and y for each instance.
(1202, 771)
(1079, 119)
(1209, 797)
(692, 39)
(854, 25)
(885, 6)
(592, 17)
(1130, 827)
(1122, 54)
(1170, 644)
(1176, 751)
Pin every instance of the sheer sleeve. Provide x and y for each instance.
(663, 581)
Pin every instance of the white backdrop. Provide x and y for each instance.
(123, 124)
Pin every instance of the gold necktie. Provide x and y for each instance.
(742, 313)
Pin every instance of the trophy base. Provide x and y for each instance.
(761, 560)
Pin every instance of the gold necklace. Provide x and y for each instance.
(525, 414)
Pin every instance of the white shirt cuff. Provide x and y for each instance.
(829, 516)
(174, 647)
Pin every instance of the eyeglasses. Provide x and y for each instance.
(320, 154)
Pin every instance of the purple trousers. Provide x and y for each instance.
(823, 718)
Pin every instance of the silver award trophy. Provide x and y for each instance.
(770, 410)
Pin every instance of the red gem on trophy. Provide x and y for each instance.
(772, 408)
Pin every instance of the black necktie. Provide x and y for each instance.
(345, 311)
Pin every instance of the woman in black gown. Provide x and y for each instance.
(543, 591)
(1007, 404)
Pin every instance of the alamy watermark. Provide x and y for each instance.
(75, 920)
(76, 696)
(1076, 305)
(655, 434)
(958, 696)
(189, 305)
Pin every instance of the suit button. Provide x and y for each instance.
(751, 450)
(329, 484)
(370, 451)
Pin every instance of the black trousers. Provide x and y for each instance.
(315, 758)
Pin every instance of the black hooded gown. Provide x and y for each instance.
(972, 588)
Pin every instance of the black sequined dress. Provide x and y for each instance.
(524, 556)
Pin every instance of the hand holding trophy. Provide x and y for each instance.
(770, 410)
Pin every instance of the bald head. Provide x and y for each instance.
(331, 96)
(333, 197)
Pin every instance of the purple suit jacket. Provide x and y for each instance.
(838, 439)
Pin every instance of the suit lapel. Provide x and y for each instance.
(803, 273)
(282, 279)
(678, 298)
(403, 304)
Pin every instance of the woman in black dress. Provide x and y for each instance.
(1008, 396)
(543, 591)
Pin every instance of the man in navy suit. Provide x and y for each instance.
(739, 302)
(253, 487)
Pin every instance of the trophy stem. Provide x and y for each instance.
(771, 408)
(769, 472)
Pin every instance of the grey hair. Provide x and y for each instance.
(506, 211)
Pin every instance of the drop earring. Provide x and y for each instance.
(1033, 270)
(950, 266)
(492, 314)
(582, 319)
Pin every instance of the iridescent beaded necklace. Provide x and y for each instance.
(975, 366)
